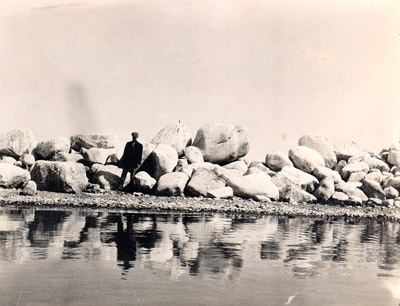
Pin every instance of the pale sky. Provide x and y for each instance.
(280, 69)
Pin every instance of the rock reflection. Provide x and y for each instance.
(197, 244)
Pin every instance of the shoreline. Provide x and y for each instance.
(149, 203)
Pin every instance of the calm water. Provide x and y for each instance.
(101, 257)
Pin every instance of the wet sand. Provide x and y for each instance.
(143, 202)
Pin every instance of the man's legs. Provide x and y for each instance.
(123, 177)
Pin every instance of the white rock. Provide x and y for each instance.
(322, 146)
(193, 155)
(12, 176)
(277, 161)
(306, 159)
(177, 136)
(220, 193)
(59, 176)
(394, 158)
(96, 155)
(17, 142)
(94, 140)
(47, 149)
(202, 181)
(221, 143)
(172, 184)
(144, 182)
(255, 184)
(162, 160)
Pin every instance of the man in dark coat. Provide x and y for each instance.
(131, 159)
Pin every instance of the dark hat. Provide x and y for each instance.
(135, 134)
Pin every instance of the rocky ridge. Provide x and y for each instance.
(212, 166)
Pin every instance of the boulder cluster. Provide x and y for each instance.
(213, 164)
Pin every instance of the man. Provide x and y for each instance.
(131, 159)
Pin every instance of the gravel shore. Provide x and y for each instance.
(148, 203)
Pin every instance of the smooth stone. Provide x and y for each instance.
(107, 177)
(373, 189)
(222, 143)
(162, 160)
(27, 159)
(30, 189)
(239, 166)
(294, 176)
(356, 177)
(322, 172)
(355, 167)
(220, 193)
(176, 135)
(12, 176)
(47, 149)
(325, 189)
(394, 157)
(193, 155)
(172, 184)
(255, 184)
(59, 176)
(306, 159)
(277, 160)
(339, 196)
(144, 182)
(94, 140)
(322, 146)
(16, 142)
(390, 192)
(96, 155)
(202, 181)
(293, 194)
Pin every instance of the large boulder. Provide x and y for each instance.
(144, 182)
(325, 189)
(352, 190)
(373, 189)
(353, 168)
(17, 142)
(293, 176)
(7, 159)
(222, 143)
(177, 136)
(96, 155)
(12, 176)
(239, 166)
(277, 161)
(322, 146)
(393, 157)
(47, 149)
(193, 155)
(259, 166)
(67, 157)
(220, 193)
(27, 159)
(321, 172)
(346, 149)
(226, 174)
(375, 163)
(293, 194)
(59, 176)
(94, 140)
(108, 177)
(29, 189)
(305, 158)
(172, 184)
(254, 184)
(202, 181)
(375, 175)
(162, 160)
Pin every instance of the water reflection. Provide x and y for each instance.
(197, 244)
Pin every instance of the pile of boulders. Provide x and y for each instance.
(213, 164)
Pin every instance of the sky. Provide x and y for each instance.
(279, 69)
